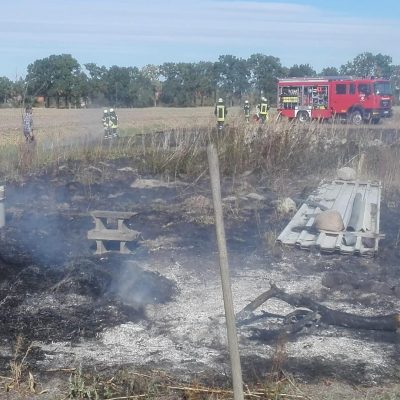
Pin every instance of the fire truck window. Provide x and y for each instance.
(352, 88)
(383, 88)
(364, 88)
(340, 88)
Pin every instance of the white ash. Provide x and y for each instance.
(188, 334)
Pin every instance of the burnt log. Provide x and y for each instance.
(390, 322)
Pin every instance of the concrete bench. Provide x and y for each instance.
(121, 233)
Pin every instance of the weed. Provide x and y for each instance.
(79, 388)
(270, 239)
(18, 367)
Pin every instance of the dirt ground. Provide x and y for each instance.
(161, 306)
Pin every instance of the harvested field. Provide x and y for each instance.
(160, 307)
(86, 123)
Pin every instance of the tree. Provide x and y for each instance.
(172, 84)
(395, 81)
(97, 85)
(233, 76)
(367, 64)
(301, 70)
(117, 86)
(152, 73)
(206, 81)
(141, 89)
(127, 87)
(18, 91)
(5, 89)
(264, 72)
(80, 90)
(54, 76)
(329, 71)
(180, 84)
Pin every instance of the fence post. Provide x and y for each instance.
(224, 270)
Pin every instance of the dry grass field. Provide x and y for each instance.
(71, 123)
(77, 123)
(179, 142)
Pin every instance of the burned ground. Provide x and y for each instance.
(161, 306)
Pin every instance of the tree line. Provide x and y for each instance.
(60, 81)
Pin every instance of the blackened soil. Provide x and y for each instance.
(76, 300)
(53, 287)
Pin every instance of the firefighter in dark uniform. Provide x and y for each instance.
(220, 112)
(113, 122)
(263, 109)
(246, 109)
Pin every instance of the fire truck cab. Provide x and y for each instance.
(354, 100)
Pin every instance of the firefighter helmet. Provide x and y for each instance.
(111, 110)
(263, 99)
(220, 100)
(105, 111)
(246, 101)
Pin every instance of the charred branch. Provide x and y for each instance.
(326, 315)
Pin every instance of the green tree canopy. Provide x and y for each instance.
(301, 70)
(176, 84)
(264, 72)
(233, 76)
(6, 86)
(57, 75)
(329, 71)
(367, 64)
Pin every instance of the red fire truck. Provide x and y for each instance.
(352, 99)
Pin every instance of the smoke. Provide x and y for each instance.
(138, 287)
(41, 223)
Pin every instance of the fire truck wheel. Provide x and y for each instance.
(356, 118)
(303, 116)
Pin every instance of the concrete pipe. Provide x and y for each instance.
(356, 221)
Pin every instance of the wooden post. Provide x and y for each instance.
(2, 207)
(225, 278)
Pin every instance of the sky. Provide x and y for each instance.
(139, 32)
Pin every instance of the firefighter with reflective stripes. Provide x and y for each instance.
(113, 122)
(246, 109)
(220, 112)
(263, 109)
(106, 124)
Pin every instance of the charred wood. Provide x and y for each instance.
(390, 322)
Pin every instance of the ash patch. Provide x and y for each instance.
(76, 301)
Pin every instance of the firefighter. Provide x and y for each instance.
(262, 110)
(106, 124)
(220, 112)
(246, 109)
(27, 125)
(113, 122)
